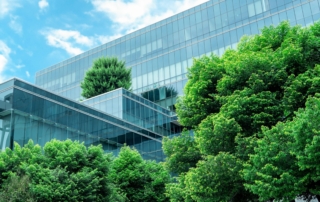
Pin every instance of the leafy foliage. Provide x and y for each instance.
(223, 168)
(140, 180)
(182, 153)
(106, 74)
(284, 164)
(17, 189)
(65, 171)
(242, 107)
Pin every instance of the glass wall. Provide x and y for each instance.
(32, 113)
(136, 110)
(160, 54)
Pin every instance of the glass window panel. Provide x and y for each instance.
(159, 43)
(204, 14)
(139, 81)
(207, 46)
(178, 68)
(180, 24)
(198, 17)
(223, 7)
(210, 12)
(172, 71)
(244, 12)
(282, 15)
(154, 45)
(192, 19)
(258, 7)
(193, 31)
(164, 30)
(216, 10)
(199, 29)
(195, 50)
(167, 72)
(170, 28)
(148, 47)
(224, 19)
(176, 38)
(314, 7)
(251, 10)
(218, 23)
(230, 4)
(181, 36)
(144, 80)
(268, 21)
(175, 26)
(156, 76)
(211, 25)
(275, 20)
(150, 80)
(187, 33)
(231, 19)
(306, 10)
(298, 12)
(186, 21)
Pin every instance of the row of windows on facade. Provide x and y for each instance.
(254, 8)
(122, 96)
(138, 114)
(27, 128)
(65, 116)
(182, 23)
(153, 42)
(197, 49)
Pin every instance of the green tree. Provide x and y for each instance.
(181, 153)
(229, 100)
(16, 189)
(199, 99)
(285, 162)
(223, 168)
(140, 180)
(105, 75)
(62, 171)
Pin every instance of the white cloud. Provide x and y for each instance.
(28, 74)
(4, 59)
(43, 4)
(133, 15)
(6, 6)
(19, 66)
(69, 40)
(104, 39)
(15, 25)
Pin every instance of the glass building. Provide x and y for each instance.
(159, 56)
(29, 112)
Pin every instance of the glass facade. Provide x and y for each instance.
(28, 112)
(136, 110)
(160, 54)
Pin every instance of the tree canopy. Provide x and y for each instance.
(138, 179)
(242, 108)
(106, 74)
(62, 171)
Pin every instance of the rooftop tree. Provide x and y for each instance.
(106, 74)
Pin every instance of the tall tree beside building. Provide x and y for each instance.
(106, 74)
(227, 102)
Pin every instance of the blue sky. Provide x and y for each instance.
(35, 34)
